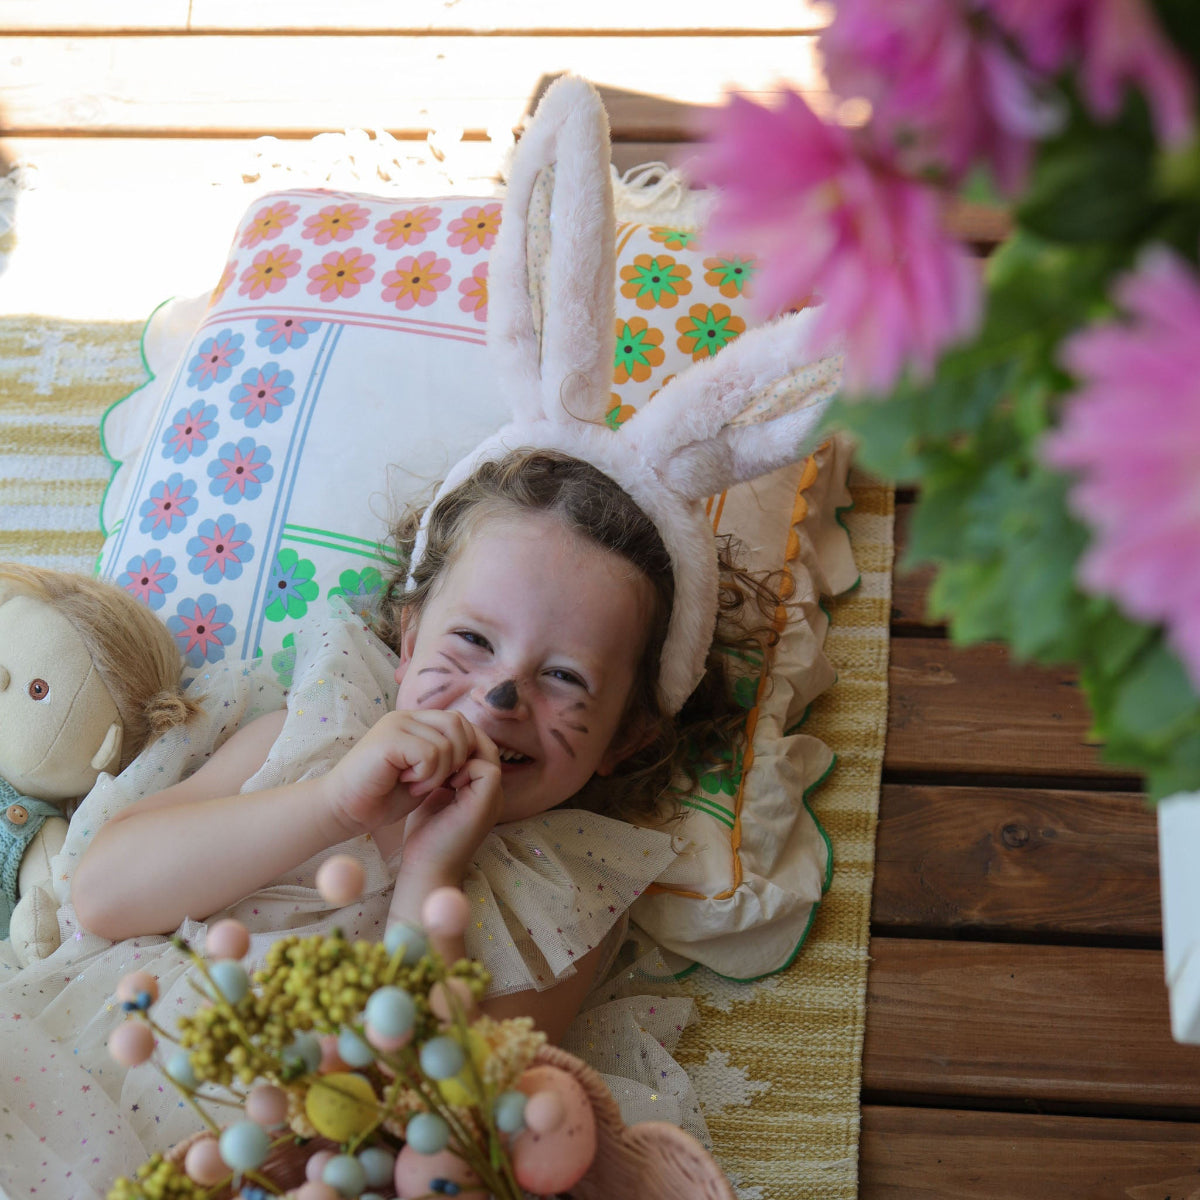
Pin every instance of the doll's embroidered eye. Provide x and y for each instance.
(38, 689)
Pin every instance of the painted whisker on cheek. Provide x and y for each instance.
(562, 741)
(435, 671)
(453, 662)
(429, 695)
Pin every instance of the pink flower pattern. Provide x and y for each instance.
(476, 229)
(269, 222)
(416, 280)
(335, 223)
(474, 291)
(341, 273)
(407, 227)
(269, 272)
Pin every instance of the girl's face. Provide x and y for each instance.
(534, 634)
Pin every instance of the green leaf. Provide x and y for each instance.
(1156, 700)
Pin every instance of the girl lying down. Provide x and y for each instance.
(523, 710)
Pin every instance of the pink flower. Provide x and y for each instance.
(416, 280)
(1132, 432)
(1116, 43)
(474, 291)
(335, 223)
(341, 274)
(829, 224)
(407, 226)
(945, 90)
(269, 272)
(269, 222)
(476, 229)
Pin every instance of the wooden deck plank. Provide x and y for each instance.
(413, 16)
(175, 84)
(970, 710)
(1060, 1024)
(939, 1154)
(910, 588)
(1016, 861)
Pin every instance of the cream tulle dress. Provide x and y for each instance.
(543, 892)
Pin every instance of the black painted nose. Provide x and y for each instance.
(503, 696)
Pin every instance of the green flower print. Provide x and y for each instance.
(729, 275)
(705, 330)
(639, 347)
(724, 780)
(360, 590)
(291, 588)
(673, 239)
(658, 280)
(745, 691)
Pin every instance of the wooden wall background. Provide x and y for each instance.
(1017, 1042)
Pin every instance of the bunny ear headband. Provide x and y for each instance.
(749, 410)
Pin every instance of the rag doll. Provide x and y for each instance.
(87, 677)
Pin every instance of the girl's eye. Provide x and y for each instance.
(38, 689)
(567, 677)
(473, 639)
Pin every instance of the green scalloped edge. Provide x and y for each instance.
(117, 464)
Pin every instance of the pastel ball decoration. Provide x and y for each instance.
(305, 1049)
(427, 1133)
(132, 986)
(340, 880)
(390, 1012)
(244, 1145)
(316, 1189)
(344, 1173)
(268, 1105)
(446, 912)
(315, 1167)
(415, 1172)
(555, 1160)
(406, 940)
(203, 1163)
(378, 1166)
(331, 1059)
(450, 998)
(179, 1069)
(227, 939)
(442, 1058)
(353, 1051)
(131, 1043)
(509, 1111)
(228, 981)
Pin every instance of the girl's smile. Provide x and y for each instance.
(534, 634)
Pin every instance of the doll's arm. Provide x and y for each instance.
(33, 928)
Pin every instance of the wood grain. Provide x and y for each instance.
(938, 1154)
(1060, 1024)
(970, 710)
(175, 84)
(1016, 862)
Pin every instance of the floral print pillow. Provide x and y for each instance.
(338, 369)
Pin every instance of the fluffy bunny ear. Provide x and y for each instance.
(552, 270)
(741, 414)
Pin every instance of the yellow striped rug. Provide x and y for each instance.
(777, 1063)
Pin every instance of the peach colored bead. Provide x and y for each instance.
(131, 1043)
(267, 1105)
(340, 879)
(444, 1007)
(446, 912)
(204, 1164)
(134, 983)
(315, 1189)
(227, 939)
(331, 1060)
(386, 1044)
(315, 1167)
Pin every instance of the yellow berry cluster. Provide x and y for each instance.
(157, 1179)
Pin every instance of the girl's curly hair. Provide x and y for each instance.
(710, 725)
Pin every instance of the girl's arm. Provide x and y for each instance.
(199, 846)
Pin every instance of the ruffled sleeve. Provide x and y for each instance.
(547, 890)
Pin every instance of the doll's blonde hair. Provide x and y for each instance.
(132, 650)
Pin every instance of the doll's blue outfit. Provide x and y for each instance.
(20, 819)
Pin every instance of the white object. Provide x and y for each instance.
(1178, 853)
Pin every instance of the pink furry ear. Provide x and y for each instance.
(552, 290)
(751, 409)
